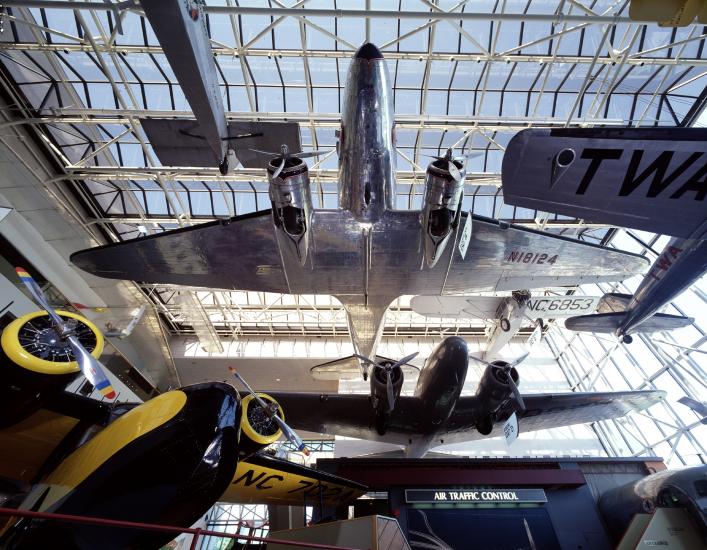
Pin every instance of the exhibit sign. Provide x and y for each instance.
(475, 495)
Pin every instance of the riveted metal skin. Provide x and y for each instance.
(367, 160)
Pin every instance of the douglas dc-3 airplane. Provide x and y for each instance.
(650, 179)
(366, 253)
(438, 414)
(165, 461)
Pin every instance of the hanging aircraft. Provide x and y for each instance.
(165, 461)
(437, 413)
(181, 29)
(507, 313)
(366, 253)
(652, 179)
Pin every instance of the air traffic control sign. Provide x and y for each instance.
(475, 496)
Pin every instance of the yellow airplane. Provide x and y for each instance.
(165, 461)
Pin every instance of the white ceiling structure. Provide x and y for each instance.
(465, 74)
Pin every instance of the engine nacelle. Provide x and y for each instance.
(258, 430)
(440, 208)
(493, 392)
(291, 207)
(379, 392)
(36, 364)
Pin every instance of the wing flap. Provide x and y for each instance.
(649, 179)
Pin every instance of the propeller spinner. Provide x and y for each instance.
(89, 365)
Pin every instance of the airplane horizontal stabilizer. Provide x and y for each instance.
(180, 142)
(609, 322)
(347, 368)
(645, 178)
(614, 302)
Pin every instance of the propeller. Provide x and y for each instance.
(290, 434)
(451, 166)
(505, 368)
(389, 368)
(89, 365)
(285, 154)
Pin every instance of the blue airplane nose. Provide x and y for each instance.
(368, 52)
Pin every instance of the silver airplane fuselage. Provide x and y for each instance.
(367, 138)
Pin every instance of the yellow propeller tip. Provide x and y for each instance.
(231, 369)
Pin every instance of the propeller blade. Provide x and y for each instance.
(404, 360)
(519, 360)
(478, 360)
(89, 365)
(389, 389)
(516, 391)
(290, 434)
(276, 173)
(467, 156)
(454, 171)
(38, 296)
(311, 154)
(271, 153)
(91, 368)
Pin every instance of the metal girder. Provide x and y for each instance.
(555, 18)
(222, 50)
(318, 120)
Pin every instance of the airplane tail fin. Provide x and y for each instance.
(609, 322)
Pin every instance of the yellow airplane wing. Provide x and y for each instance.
(262, 479)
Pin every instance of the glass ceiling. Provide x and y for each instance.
(82, 86)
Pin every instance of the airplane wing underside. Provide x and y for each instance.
(551, 410)
(351, 415)
(648, 178)
(242, 253)
(262, 479)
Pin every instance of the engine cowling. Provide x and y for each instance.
(493, 392)
(379, 392)
(291, 206)
(258, 430)
(440, 209)
(36, 363)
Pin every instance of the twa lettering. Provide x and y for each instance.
(661, 172)
(664, 262)
(520, 257)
